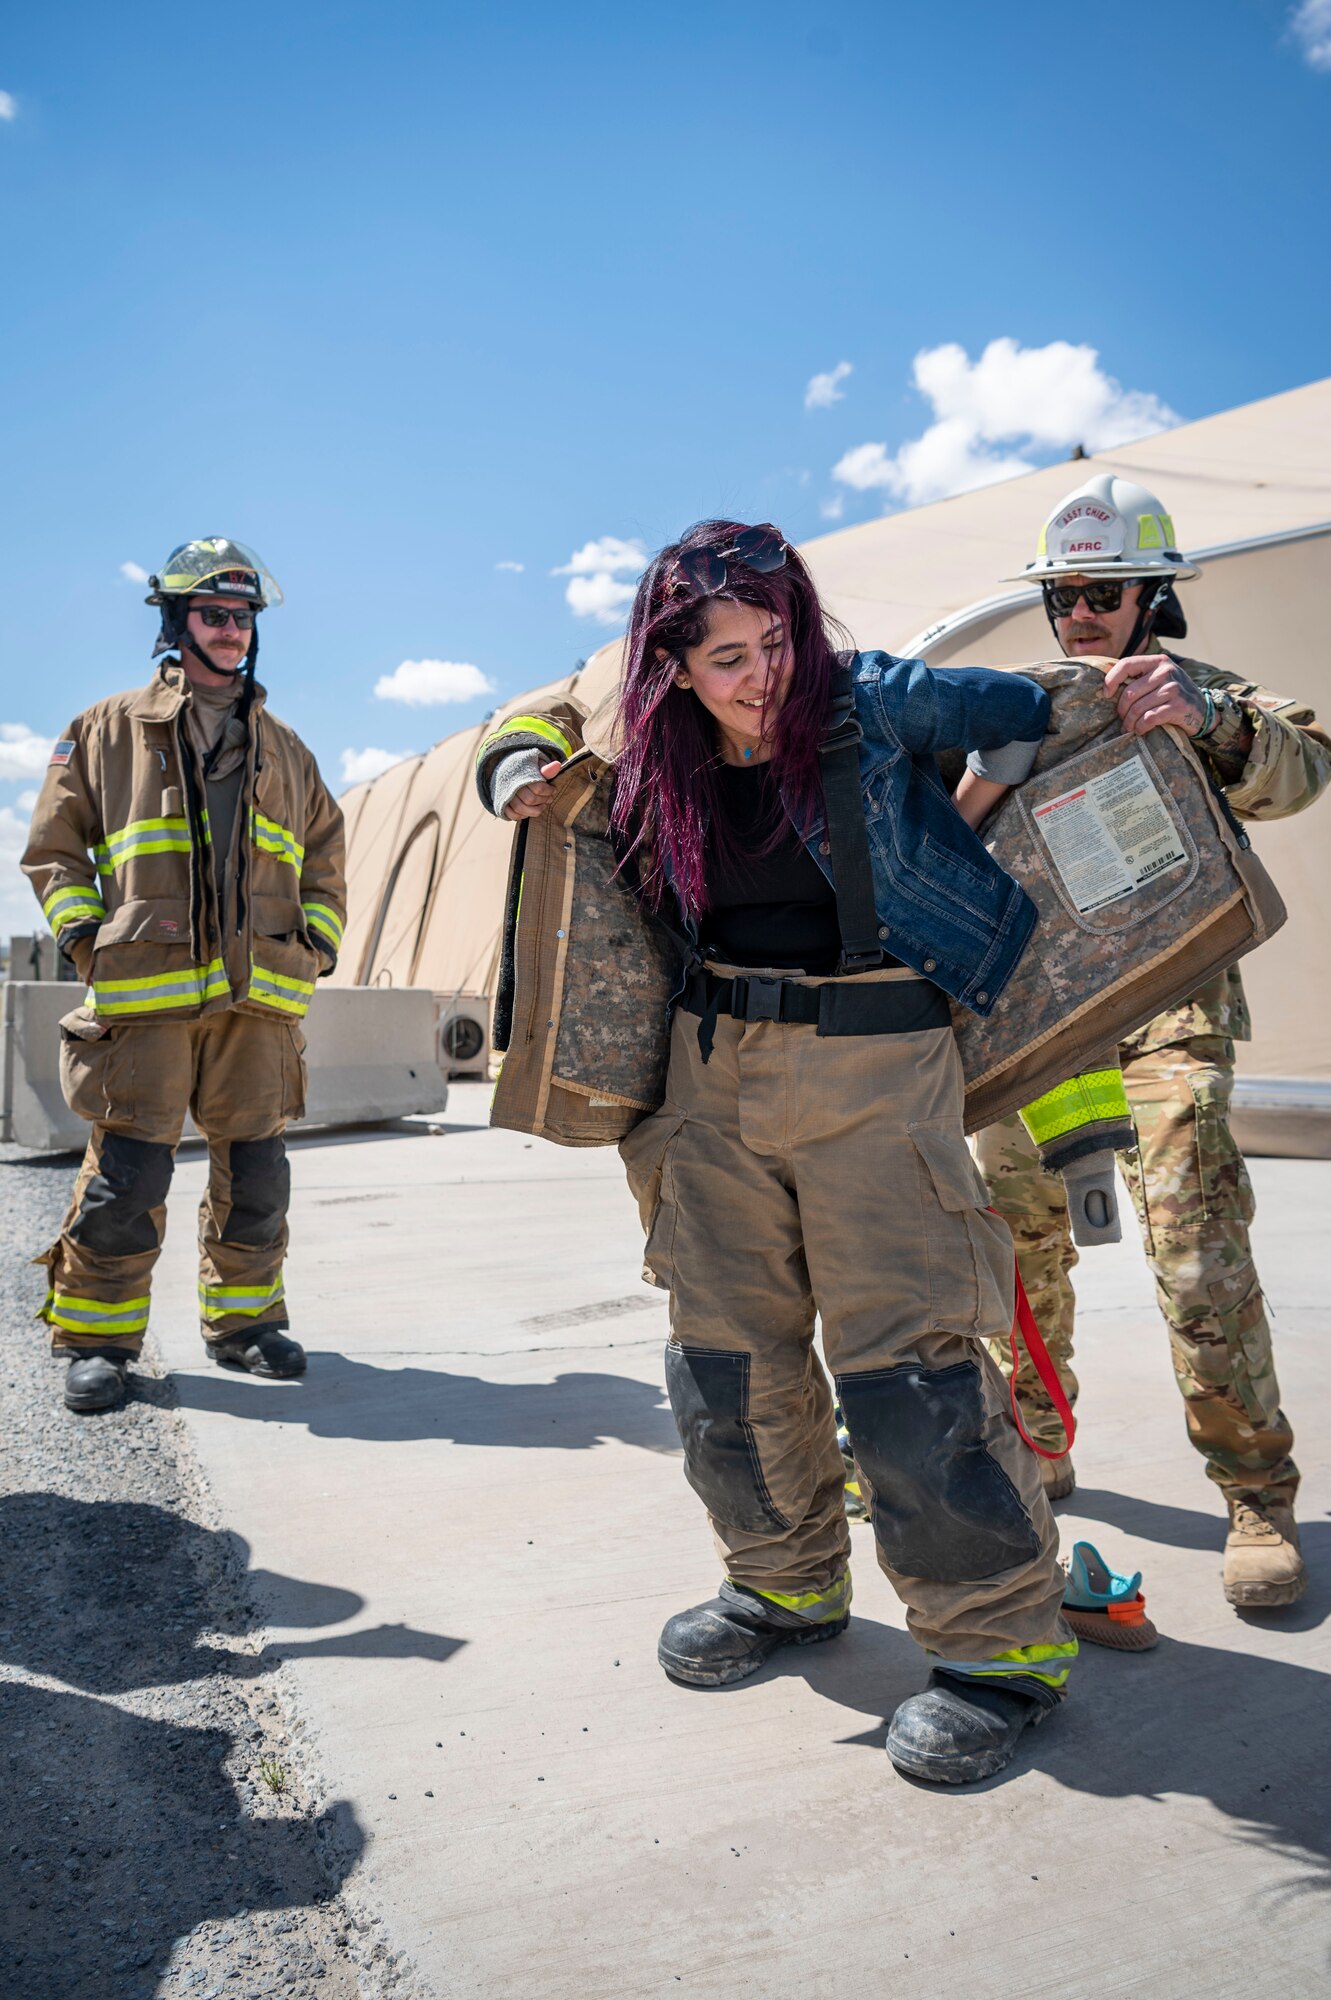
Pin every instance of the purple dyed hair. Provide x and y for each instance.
(666, 784)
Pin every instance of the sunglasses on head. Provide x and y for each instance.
(1101, 594)
(705, 570)
(218, 615)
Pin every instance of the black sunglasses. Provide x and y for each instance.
(218, 615)
(1102, 594)
(704, 570)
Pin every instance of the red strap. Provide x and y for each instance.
(1025, 1329)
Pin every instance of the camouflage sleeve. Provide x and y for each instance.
(1288, 764)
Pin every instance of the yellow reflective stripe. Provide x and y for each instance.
(817, 1606)
(278, 990)
(321, 918)
(94, 1315)
(1148, 532)
(249, 1300)
(67, 906)
(152, 993)
(146, 836)
(270, 838)
(1024, 1662)
(1083, 1100)
(527, 725)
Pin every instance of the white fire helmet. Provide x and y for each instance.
(1107, 527)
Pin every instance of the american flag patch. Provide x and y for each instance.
(62, 753)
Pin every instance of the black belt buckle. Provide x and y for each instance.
(762, 999)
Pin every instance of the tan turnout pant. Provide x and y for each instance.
(242, 1078)
(795, 1174)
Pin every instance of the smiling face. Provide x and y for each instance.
(1086, 631)
(740, 672)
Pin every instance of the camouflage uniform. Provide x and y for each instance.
(1187, 1178)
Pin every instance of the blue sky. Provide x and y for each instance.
(401, 294)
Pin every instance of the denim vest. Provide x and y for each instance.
(944, 905)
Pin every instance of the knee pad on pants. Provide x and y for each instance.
(260, 1192)
(943, 1507)
(709, 1394)
(115, 1213)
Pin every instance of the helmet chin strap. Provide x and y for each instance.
(175, 630)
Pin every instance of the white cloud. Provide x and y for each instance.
(133, 573)
(8, 105)
(26, 801)
(429, 683)
(598, 597)
(592, 570)
(358, 765)
(1310, 26)
(824, 390)
(22, 755)
(516, 567)
(833, 509)
(1036, 398)
(19, 913)
(607, 553)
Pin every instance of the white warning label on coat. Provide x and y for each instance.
(1110, 836)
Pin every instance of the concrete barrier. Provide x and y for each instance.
(370, 1052)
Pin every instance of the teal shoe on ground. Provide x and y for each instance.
(1104, 1607)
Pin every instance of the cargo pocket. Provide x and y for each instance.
(1222, 1175)
(295, 1072)
(96, 1068)
(648, 1154)
(968, 1248)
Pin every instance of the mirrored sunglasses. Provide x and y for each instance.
(218, 615)
(705, 570)
(1101, 594)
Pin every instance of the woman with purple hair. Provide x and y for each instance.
(778, 808)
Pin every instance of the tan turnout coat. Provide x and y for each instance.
(590, 977)
(118, 854)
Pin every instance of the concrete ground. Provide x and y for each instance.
(483, 1457)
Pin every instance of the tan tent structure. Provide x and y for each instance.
(1250, 492)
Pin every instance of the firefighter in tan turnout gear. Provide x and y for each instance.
(1108, 566)
(190, 861)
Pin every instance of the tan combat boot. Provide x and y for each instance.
(1263, 1565)
(1057, 1477)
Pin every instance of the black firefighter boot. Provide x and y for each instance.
(958, 1729)
(728, 1638)
(96, 1380)
(260, 1351)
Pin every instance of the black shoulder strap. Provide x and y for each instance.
(852, 871)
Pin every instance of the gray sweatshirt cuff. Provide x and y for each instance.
(509, 774)
(1006, 763)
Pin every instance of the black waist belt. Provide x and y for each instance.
(837, 1007)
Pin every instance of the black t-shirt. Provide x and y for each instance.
(773, 909)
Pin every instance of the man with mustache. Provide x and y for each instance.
(1108, 566)
(190, 861)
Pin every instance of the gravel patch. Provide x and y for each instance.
(164, 1833)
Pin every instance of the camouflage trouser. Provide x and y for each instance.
(1194, 1202)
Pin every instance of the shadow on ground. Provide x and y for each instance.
(131, 1835)
(74, 1577)
(1189, 1528)
(123, 1829)
(341, 1398)
(1251, 1735)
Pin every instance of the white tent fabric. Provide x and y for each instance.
(427, 866)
